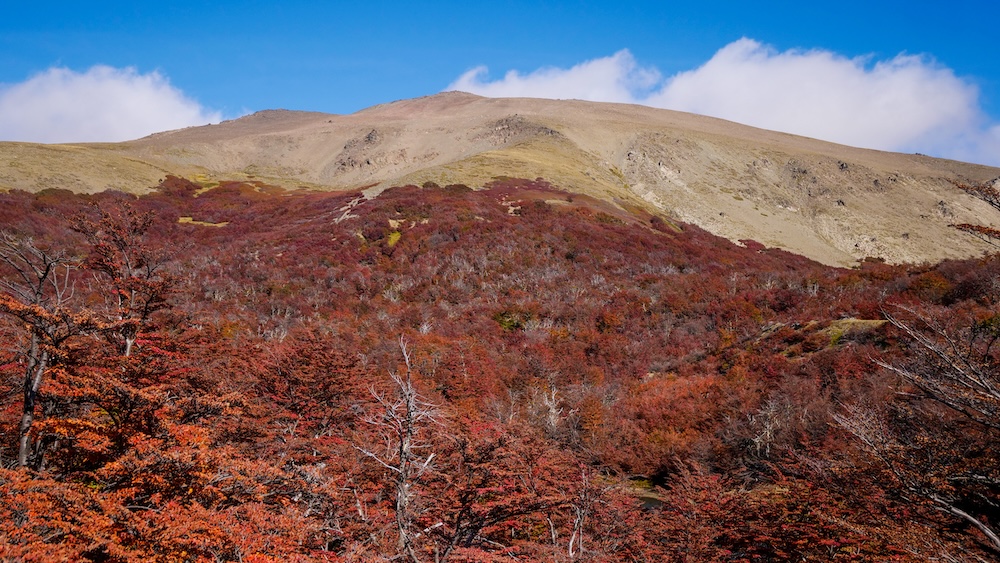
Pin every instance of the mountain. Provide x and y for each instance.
(832, 203)
(533, 368)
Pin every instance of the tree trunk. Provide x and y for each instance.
(404, 476)
(38, 360)
(946, 506)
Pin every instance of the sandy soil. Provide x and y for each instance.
(833, 203)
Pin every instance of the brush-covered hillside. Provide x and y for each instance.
(835, 204)
(244, 372)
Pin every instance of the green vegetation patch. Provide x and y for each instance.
(844, 327)
(512, 320)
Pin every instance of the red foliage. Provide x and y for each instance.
(220, 401)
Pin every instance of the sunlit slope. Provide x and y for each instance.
(833, 203)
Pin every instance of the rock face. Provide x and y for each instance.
(833, 203)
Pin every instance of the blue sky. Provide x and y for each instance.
(918, 76)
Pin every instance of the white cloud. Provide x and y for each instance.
(898, 104)
(610, 79)
(907, 103)
(101, 104)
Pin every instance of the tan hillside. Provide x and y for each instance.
(830, 202)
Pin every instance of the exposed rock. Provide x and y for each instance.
(511, 129)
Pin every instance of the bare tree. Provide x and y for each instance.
(938, 440)
(955, 368)
(403, 419)
(479, 478)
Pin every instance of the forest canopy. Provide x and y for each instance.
(512, 373)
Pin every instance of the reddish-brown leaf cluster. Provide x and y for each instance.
(987, 234)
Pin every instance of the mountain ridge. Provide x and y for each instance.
(833, 203)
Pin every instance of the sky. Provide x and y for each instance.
(902, 76)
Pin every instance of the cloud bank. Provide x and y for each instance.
(907, 103)
(101, 104)
(617, 78)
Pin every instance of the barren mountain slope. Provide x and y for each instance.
(833, 203)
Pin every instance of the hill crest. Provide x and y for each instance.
(832, 203)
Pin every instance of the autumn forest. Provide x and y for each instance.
(514, 373)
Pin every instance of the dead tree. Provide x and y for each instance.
(937, 442)
(958, 369)
(403, 418)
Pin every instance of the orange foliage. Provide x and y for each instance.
(601, 387)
